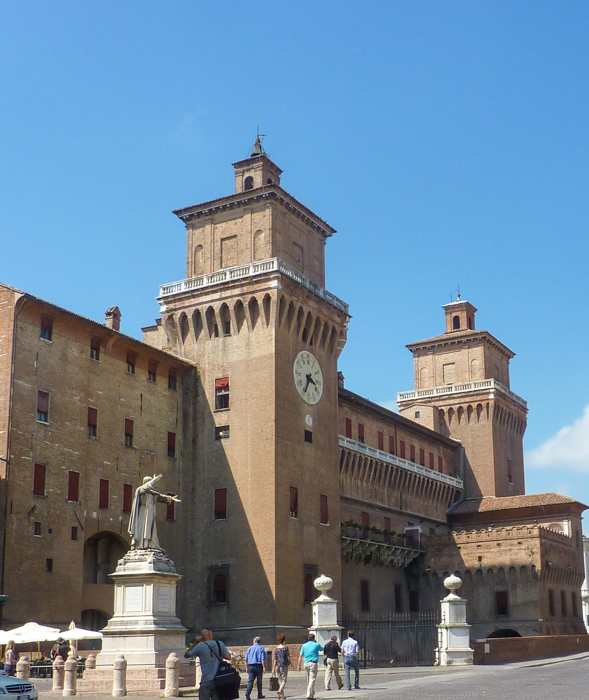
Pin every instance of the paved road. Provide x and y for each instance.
(565, 679)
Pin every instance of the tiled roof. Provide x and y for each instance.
(491, 503)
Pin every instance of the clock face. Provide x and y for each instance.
(308, 377)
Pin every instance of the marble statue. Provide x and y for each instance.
(142, 523)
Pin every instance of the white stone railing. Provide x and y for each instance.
(464, 388)
(397, 461)
(229, 274)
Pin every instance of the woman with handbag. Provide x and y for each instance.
(280, 667)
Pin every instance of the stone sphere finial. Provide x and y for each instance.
(452, 583)
(323, 583)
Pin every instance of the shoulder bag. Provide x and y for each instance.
(227, 679)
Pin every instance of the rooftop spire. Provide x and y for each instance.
(258, 149)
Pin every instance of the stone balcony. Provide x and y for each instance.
(388, 550)
(490, 385)
(246, 272)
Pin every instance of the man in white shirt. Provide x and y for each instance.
(351, 652)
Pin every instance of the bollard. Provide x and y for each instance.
(91, 661)
(172, 676)
(119, 684)
(70, 681)
(58, 671)
(23, 668)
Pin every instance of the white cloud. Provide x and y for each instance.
(568, 448)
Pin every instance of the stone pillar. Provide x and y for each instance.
(71, 676)
(324, 612)
(23, 668)
(119, 683)
(172, 676)
(58, 671)
(453, 635)
(91, 661)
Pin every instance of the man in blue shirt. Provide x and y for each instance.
(310, 657)
(254, 659)
(208, 652)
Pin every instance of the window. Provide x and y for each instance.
(171, 444)
(574, 604)
(387, 524)
(221, 432)
(412, 453)
(365, 596)
(380, 440)
(73, 486)
(398, 598)
(37, 529)
(309, 588)
(92, 422)
(221, 394)
(43, 406)
(422, 457)
(46, 328)
(391, 445)
(360, 432)
(248, 183)
(440, 464)
(509, 474)
(95, 349)
(417, 414)
(220, 504)
(402, 449)
(431, 460)
(128, 432)
(349, 428)
(413, 601)
(365, 519)
(171, 509)
(131, 360)
(551, 605)
(563, 603)
(219, 589)
(74, 532)
(49, 565)
(309, 436)
(456, 323)
(103, 493)
(127, 498)
(501, 603)
(324, 512)
(172, 379)
(39, 480)
(151, 370)
(294, 502)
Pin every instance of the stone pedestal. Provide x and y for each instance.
(144, 627)
(324, 612)
(454, 636)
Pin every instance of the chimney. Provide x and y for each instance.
(112, 318)
(340, 380)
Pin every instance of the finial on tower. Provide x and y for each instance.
(258, 149)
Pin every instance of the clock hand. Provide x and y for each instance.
(309, 379)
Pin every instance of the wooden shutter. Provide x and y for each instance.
(422, 457)
(152, 367)
(440, 464)
(171, 509)
(127, 498)
(391, 444)
(294, 501)
(412, 453)
(103, 493)
(360, 432)
(92, 417)
(324, 509)
(171, 442)
(220, 504)
(73, 486)
(365, 518)
(349, 428)
(128, 427)
(43, 401)
(380, 441)
(387, 524)
(431, 460)
(402, 449)
(39, 480)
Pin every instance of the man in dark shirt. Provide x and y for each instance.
(331, 651)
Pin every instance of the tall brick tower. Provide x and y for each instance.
(462, 390)
(253, 313)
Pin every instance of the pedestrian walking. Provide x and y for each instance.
(281, 664)
(210, 652)
(331, 651)
(10, 659)
(351, 652)
(254, 660)
(310, 658)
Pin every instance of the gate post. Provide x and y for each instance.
(453, 640)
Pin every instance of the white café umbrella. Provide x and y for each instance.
(32, 632)
(5, 637)
(73, 634)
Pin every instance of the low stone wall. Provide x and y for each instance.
(510, 649)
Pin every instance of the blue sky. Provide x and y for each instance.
(447, 142)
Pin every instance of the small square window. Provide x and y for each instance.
(74, 532)
(46, 328)
(417, 414)
(222, 394)
(309, 436)
(131, 362)
(95, 349)
(37, 529)
(221, 432)
(49, 565)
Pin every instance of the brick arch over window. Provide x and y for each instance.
(267, 309)
(197, 324)
(299, 322)
(307, 329)
(282, 306)
(212, 326)
(239, 312)
(254, 312)
(225, 318)
(102, 552)
(456, 323)
(184, 327)
(315, 336)
(325, 336)
(290, 314)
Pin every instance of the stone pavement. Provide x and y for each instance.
(565, 677)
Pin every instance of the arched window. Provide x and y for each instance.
(456, 323)
(248, 183)
(220, 588)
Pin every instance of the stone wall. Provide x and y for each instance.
(513, 649)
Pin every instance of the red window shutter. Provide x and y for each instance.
(220, 504)
(509, 468)
(43, 401)
(103, 493)
(46, 324)
(402, 449)
(365, 517)
(387, 524)
(73, 486)
(431, 460)
(360, 432)
(128, 427)
(220, 584)
(171, 509)
(171, 441)
(324, 509)
(440, 464)
(92, 417)
(131, 358)
(349, 428)
(95, 344)
(294, 501)
(127, 498)
(152, 367)
(412, 453)
(39, 480)
(222, 383)
(364, 596)
(391, 444)
(422, 457)
(380, 441)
